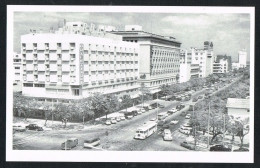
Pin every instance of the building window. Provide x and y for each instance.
(28, 85)
(39, 85)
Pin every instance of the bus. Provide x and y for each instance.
(162, 115)
(146, 130)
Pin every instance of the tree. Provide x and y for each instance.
(165, 90)
(126, 101)
(242, 129)
(145, 93)
(214, 118)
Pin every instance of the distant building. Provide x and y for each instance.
(225, 57)
(187, 69)
(159, 57)
(208, 45)
(205, 60)
(242, 57)
(220, 67)
(17, 64)
(238, 108)
(235, 65)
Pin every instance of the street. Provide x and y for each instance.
(119, 136)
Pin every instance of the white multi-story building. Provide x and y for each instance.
(187, 69)
(71, 66)
(242, 57)
(204, 58)
(17, 65)
(221, 66)
(159, 57)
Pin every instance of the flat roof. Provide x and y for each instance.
(238, 103)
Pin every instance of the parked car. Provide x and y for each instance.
(91, 142)
(173, 110)
(174, 122)
(142, 110)
(161, 106)
(219, 148)
(122, 117)
(69, 144)
(194, 99)
(183, 113)
(18, 128)
(179, 107)
(34, 127)
(188, 146)
(167, 135)
(161, 122)
(108, 122)
(241, 150)
(113, 121)
(153, 119)
(154, 105)
(118, 119)
(200, 97)
(166, 126)
(187, 116)
(135, 112)
(185, 130)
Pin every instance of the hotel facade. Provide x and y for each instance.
(159, 57)
(73, 66)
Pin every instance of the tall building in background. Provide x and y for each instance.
(242, 57)
(221, 66)
(74, 65)
(187, 69)
(159, 57)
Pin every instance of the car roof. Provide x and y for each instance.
(72, 139)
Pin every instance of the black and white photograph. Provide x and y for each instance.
(130, 83)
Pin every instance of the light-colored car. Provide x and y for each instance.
(118, 119)
(19, 128)
(113, 121)
(153, 119)
(185, 130)
(108, 122)
(142, 110)
(167, 135)
(174, 122)
(187, 116)
(122, 117)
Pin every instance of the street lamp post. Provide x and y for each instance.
(157, 106)
(208, 124)
(52, 113)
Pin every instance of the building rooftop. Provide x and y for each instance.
(238, 103)
(145, 34)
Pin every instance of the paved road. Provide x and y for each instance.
(120, 135)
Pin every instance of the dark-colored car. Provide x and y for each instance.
(219, 148)
(241, 150)
(154, 105)
(200, 97)
(69, 144)
(188, 146)
(34, 127)
(194, 99)
(161, 122)
(161, 106)
(166, 126)
(179, 107)
(134, 112)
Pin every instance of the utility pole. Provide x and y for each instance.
(224, 129)
(52, 113)
(194, 127)
(157, 106)
(208, 123)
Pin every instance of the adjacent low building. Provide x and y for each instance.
(238, 108)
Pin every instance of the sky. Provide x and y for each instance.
(228, 32)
